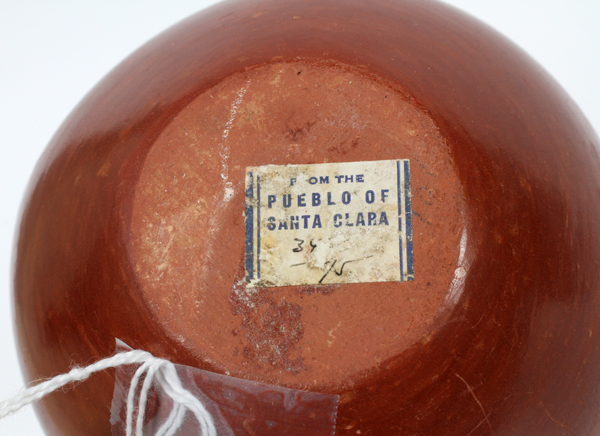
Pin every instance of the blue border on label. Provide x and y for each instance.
(250, 230)
(400, 220)
(258, 227)
(409, 234)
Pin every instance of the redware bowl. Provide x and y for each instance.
(134, 225)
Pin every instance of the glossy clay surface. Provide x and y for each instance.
(124, 233)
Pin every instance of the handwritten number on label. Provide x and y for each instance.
(341, 271)
(298, 249)
(331, 267)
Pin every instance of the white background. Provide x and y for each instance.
(53, 52)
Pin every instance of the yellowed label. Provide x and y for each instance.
(328, 223)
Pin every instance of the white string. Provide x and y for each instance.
(168, 428)
(169, 380)
(131, 395)
(159, 370)
(142, 400)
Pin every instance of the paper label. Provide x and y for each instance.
(328, 223)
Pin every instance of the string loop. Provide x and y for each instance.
(153, 371)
